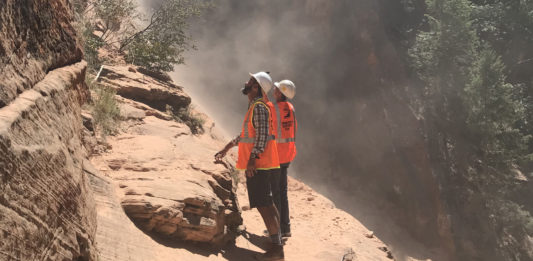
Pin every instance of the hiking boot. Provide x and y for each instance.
(275, 253)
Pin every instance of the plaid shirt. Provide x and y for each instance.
(260, 122)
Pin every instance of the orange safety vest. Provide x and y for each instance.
(268, 159)
(286, 132)
(273, 117)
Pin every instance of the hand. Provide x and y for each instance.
(250, 168)
(221, 154)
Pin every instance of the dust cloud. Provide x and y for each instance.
(355, 129)
(292, 40)
(339, 55)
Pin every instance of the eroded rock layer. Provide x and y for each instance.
(36, 36)
(46, 209)
(168, 184)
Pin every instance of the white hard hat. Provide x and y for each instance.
(264, 80)
(286, 87)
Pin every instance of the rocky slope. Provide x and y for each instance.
(162, 177)
(167, 181)
(46, 208)
(35, 37)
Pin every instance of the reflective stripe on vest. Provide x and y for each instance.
(286, 132)
(269, 158)
(285, 140)
(252, 140)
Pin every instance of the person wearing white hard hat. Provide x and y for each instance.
(286, 138)
(258, 156)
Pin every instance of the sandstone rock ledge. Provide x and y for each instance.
(143, 88)
(167, 182)
(46, 209)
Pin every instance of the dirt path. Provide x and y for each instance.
(320, 231)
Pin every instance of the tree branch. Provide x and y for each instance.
(129, 40)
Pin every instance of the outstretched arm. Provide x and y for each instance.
(221, 154)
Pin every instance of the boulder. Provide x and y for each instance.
(143, 88)
(171, 188)
(162, 76)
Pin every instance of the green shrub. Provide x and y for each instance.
(186, 116)
(493, 113)
(512, 222)
(161, 43)
(156, 43)
(105, 109)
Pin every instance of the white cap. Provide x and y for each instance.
(286, 87)
(264, 80)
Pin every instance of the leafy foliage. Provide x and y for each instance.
(90, 47)
(161, 43)
(442, 57)
(115, 16)
(477, 111)
(91, 43)
(156, 44)
(508, 27)
(493, 113)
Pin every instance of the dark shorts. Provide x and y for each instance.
(259, 188)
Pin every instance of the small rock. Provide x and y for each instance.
(310, 198)
(389, 254)
(88, 120)
(369, 234)
(245, 208)
(131, 69)
(116, 164)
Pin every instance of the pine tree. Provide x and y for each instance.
(493, 113)
(475, 125)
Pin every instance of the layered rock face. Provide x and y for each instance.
(46, 208)
(35, 37)
(168, 184)
(144, 88)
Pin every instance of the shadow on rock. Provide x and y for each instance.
(235, 253)
(259, 241)
(200, 248)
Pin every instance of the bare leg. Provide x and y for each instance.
(271, 218)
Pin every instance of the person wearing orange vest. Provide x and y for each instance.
(285, 137)
(258, 156)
